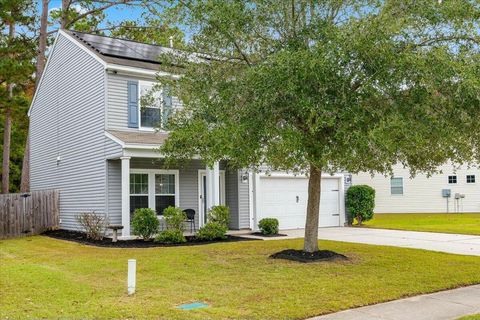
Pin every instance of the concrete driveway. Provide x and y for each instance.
(443, 242)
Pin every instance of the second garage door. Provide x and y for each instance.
(285, 198)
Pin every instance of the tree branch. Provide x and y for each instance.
(98, 9)
(429, 42)
(124, 26)
(231, 37)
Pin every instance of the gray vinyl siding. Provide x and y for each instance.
(188, 179)
(67, 120)
(347, 183)
(112, 149)
(117, 114)
(243, 203)
(114, 183)
(231, 196)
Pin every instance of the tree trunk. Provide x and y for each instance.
(313, 210)
(7, 133)
(40, 65)
(42, 42)
(25, 179)
(64, 17)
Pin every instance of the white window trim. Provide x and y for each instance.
(403, 187)
(474, 179)
(151, 184)
(452, 175)
(150, 84)
(223, 195)
(137, 194)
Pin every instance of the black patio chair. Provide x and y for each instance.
(190, 213)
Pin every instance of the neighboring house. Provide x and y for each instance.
(422, 194)
(91, 140)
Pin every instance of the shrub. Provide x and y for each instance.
(212, 231)
(174, 218)
(360, 202)
(95, 225)
(171, 237)
(268, 226)
(220, 214)
(145, 223)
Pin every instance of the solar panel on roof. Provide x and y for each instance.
(122, 48)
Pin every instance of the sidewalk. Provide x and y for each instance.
(450, 304)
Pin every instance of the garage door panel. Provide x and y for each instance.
(286, 199)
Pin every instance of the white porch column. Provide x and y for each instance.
(213, 185)
(125, 196)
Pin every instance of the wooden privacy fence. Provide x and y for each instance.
(28, 214)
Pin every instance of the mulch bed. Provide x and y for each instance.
(305, 257)
(259, 234)
(80, 237)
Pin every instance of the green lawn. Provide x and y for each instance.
(47, 278)
(472, 317)
(462, 223)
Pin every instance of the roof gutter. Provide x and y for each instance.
(126, 70)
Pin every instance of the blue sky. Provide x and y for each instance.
(115, 14)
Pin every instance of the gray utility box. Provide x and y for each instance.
(446, 193)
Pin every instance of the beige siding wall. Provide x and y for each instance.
(422, 193)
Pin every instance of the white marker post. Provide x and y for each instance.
(132, 270)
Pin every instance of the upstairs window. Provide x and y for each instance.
(155, 105)
(470, 178)
(452, 179)
(396, 186)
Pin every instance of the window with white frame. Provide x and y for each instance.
(164, 192)
(138, 191)
(452, 179)
(154, 189)
(155, 105)
(470, 178)
(396, 185)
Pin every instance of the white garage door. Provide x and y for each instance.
(285, 198)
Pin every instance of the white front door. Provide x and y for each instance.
(202, 194)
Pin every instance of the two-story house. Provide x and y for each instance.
(91, 140)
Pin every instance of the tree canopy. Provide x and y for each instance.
(17, 51)
(334, 85)
(343, 85)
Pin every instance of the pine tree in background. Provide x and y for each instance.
(17, 51)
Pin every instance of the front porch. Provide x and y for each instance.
(139, 182)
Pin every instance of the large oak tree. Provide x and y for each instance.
(324, 86)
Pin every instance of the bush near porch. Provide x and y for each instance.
(461, 223)
(42, 277)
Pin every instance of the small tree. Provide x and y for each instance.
(360, 202)
(145, 223)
